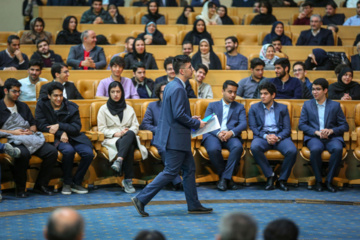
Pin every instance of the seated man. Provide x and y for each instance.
(331, 17)
(232, 118)
(143, 85)
(306, 10)
(248, 85)
(270, 123)
(234, 60)
(12, 58)
(117, 65)
(56, 115)
(28, 92)
(128, 49)
(316, 35)
(276, 42)
(187, 48)
(355, 59)
(204, 89)
(354, 20)
(60, 73)
(300, 73)
(243, 3)
(324, 124)
(96, 14)
(18, 124)
(87, 56)
(44, 54)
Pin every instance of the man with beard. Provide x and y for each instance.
(128, 49)
(44, 54)
(144, 86)
(12, 58)
(96, 14)
(248, 86)
(235, 61)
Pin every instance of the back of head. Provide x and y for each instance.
(237, 226)
(281, 229)
(179, 62)
(149, 235)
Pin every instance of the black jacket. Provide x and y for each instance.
(71, 91)
(189, 91)
(55, 58)
(158, 38)
(323, 38)
(148, 82)
(148, 61)
(23, 110)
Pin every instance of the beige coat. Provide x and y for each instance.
(110, 124)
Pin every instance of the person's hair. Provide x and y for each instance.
(307, 3)
(101, 40)
(55, 86)
(56, 68)
(84, 35)
(274, 39)
(334, 26)
(158, 88)
(11, 82)
(322, 82)
(284, 62)
(117, 61)
(12, 37)
(167, 61)
(36, 62)
(316, 15)
(256, 62)
(39, 19)
(268, 5)
(211, 4)
(339, 67)
(37, 42)
(229, 82)
(128, 39)
(138, 65)
(187, 42)
(114, 84)
(149, 235)
(202, 66)
(281, 229)
(357, 3)
(270, 87)
(179, 62)
(332, 4)
(233, 39)
(96, 1)
(300, 63)
(237, 225)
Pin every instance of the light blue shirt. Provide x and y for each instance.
(321, 113)
(270, 121)
(353, 21)
(28, 90)
(225, 114)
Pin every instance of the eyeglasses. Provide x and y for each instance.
(15, 91)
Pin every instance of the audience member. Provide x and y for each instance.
(223, 14)
(339, 67)
(323, 123)
(28, 92)
(149, 235)
(61, 3)
(12, 58)
(267, 54)
(152, 36)
(243, 3)
(129, 41)
(281, 229)
(283, 3)
(115, 14)
(96, 14)
(168, 3)
(183, 18)
(316, 35)
(36, 32)
(331, 17)
(247, 86)
(200, 3)
(187, 48)
(206, 56)
(236, 225)
(87, 56)
(265, 16)
(69, 34)
(198, 33)
(45, 55)
(27, 11)
(300, 73)
(335, 31)
(141, 3)
(319, 3)
(318, 60)
(306, 11)
(270, 123)
(355, 59)
(345, 88)
(101, 40)
(351, 3)
(234, 60)
(256, 7)
(58, 116)
(276, 42)
(209, 15)
(204, 89)
(117, 3)
(153, 14)
(139, 54)
(277, 31)
(143, 85)
(354, 20)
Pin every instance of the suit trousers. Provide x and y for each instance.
(126, 147)
(68, 150)
(316, 147)
(286, 147)
(2, 146)
(175, 160)
(214, 146)
(177, 180)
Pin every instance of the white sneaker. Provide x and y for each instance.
(128, 187)
(78, 189)
(66, 189)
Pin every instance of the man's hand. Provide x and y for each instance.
(227, 136)
(327, 132)
(221, 135)
(18, 55)
(301, 15)
(53, 128)
(10, 68)
(272, 139)
(88, 62)
(286, 3)
(202, 124)
(196, 117)
(98, 20)
(228, 67)
(21, 132)
(64, 138)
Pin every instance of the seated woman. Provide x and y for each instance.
(265, 16)
(278, 31)
(69, 34)
(206, 56)
(199, 32)
(225, 19)
(318, 60)
(115, 14)
(139, 54)
(36, 32)
(119, 124)
(345, 88)
(183, 19)
(153, 14)
(267, 54)
(152, 36)
(209, 15)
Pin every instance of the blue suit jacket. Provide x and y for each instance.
(236, 120)
(334, 119)
(151, 118)
(355, 62)
(190, 92)
(76, 55)
(175, 124)
(257, 120)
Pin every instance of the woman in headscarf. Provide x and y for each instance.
(277, 30)
(209, 15)
(139, 54)
(115, 14)
(318, 60)
(199, 32)
(345, 88)
(267, 54)
(36, 32)
(265, 16)
(225, 19)
(119, 123)
(69, 34)
(206, 56)
(183, 19)
(153, 14)
(152, 36)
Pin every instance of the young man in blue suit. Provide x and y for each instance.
(232, 118)
(324, 124)
(270, 123)
(173, 136)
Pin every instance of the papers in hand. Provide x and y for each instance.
(211, 125)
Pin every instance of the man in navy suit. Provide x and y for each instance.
(355, 59)
(232, 118)
(173, 136)
(324, 124)
(270, 123)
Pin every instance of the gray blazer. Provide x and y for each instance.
(76, 55)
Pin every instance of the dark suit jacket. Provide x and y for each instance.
(151, 118)
(355, 62)
(76, 55)
(190, 92)
(71, 91)
(236, 120)
(324, 38)
(175, 124)
(257, 120)
(168, 3)
(334, 119)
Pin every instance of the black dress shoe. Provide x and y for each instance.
(232, 185)
(330, 187)
(139, 207)
(270, 183)
(222, 184)
(43, 190)
(282, 185)
(201, 209)
(319, 187)
(21, 194)
(179, 187)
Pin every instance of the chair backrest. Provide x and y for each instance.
(235, 19)
(192, 17)
(86, 88)
(117, 38)
(221, 57)
(143, 109)
(247, 38)
(194, 86)
(180, 36)
(249, 17)
(38, 87)
(170, 39)
(201, 105)
(4, 36)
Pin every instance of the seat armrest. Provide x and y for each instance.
(346, 136)
(294, 135)
(353, 140)
(91, 135)
(300, 136)
(144, 134)
(49, 137)
(250, 135)
(244, 135)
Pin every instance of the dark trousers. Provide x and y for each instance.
(68, 150)
(316, 147)
(126, 147)
(177, 180)
(47, 153)
(2, 146)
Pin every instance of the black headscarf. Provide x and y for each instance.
(135, 53)
(182, 19)
(214, 59)
(194, 36)
(321, 56)
(226, 20)
(66, 22)
(341, 86)
(116, 108)
(153, 17)
(119, 18)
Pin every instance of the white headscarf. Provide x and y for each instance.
(205, 58)
(263, 54)
(205, 15)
